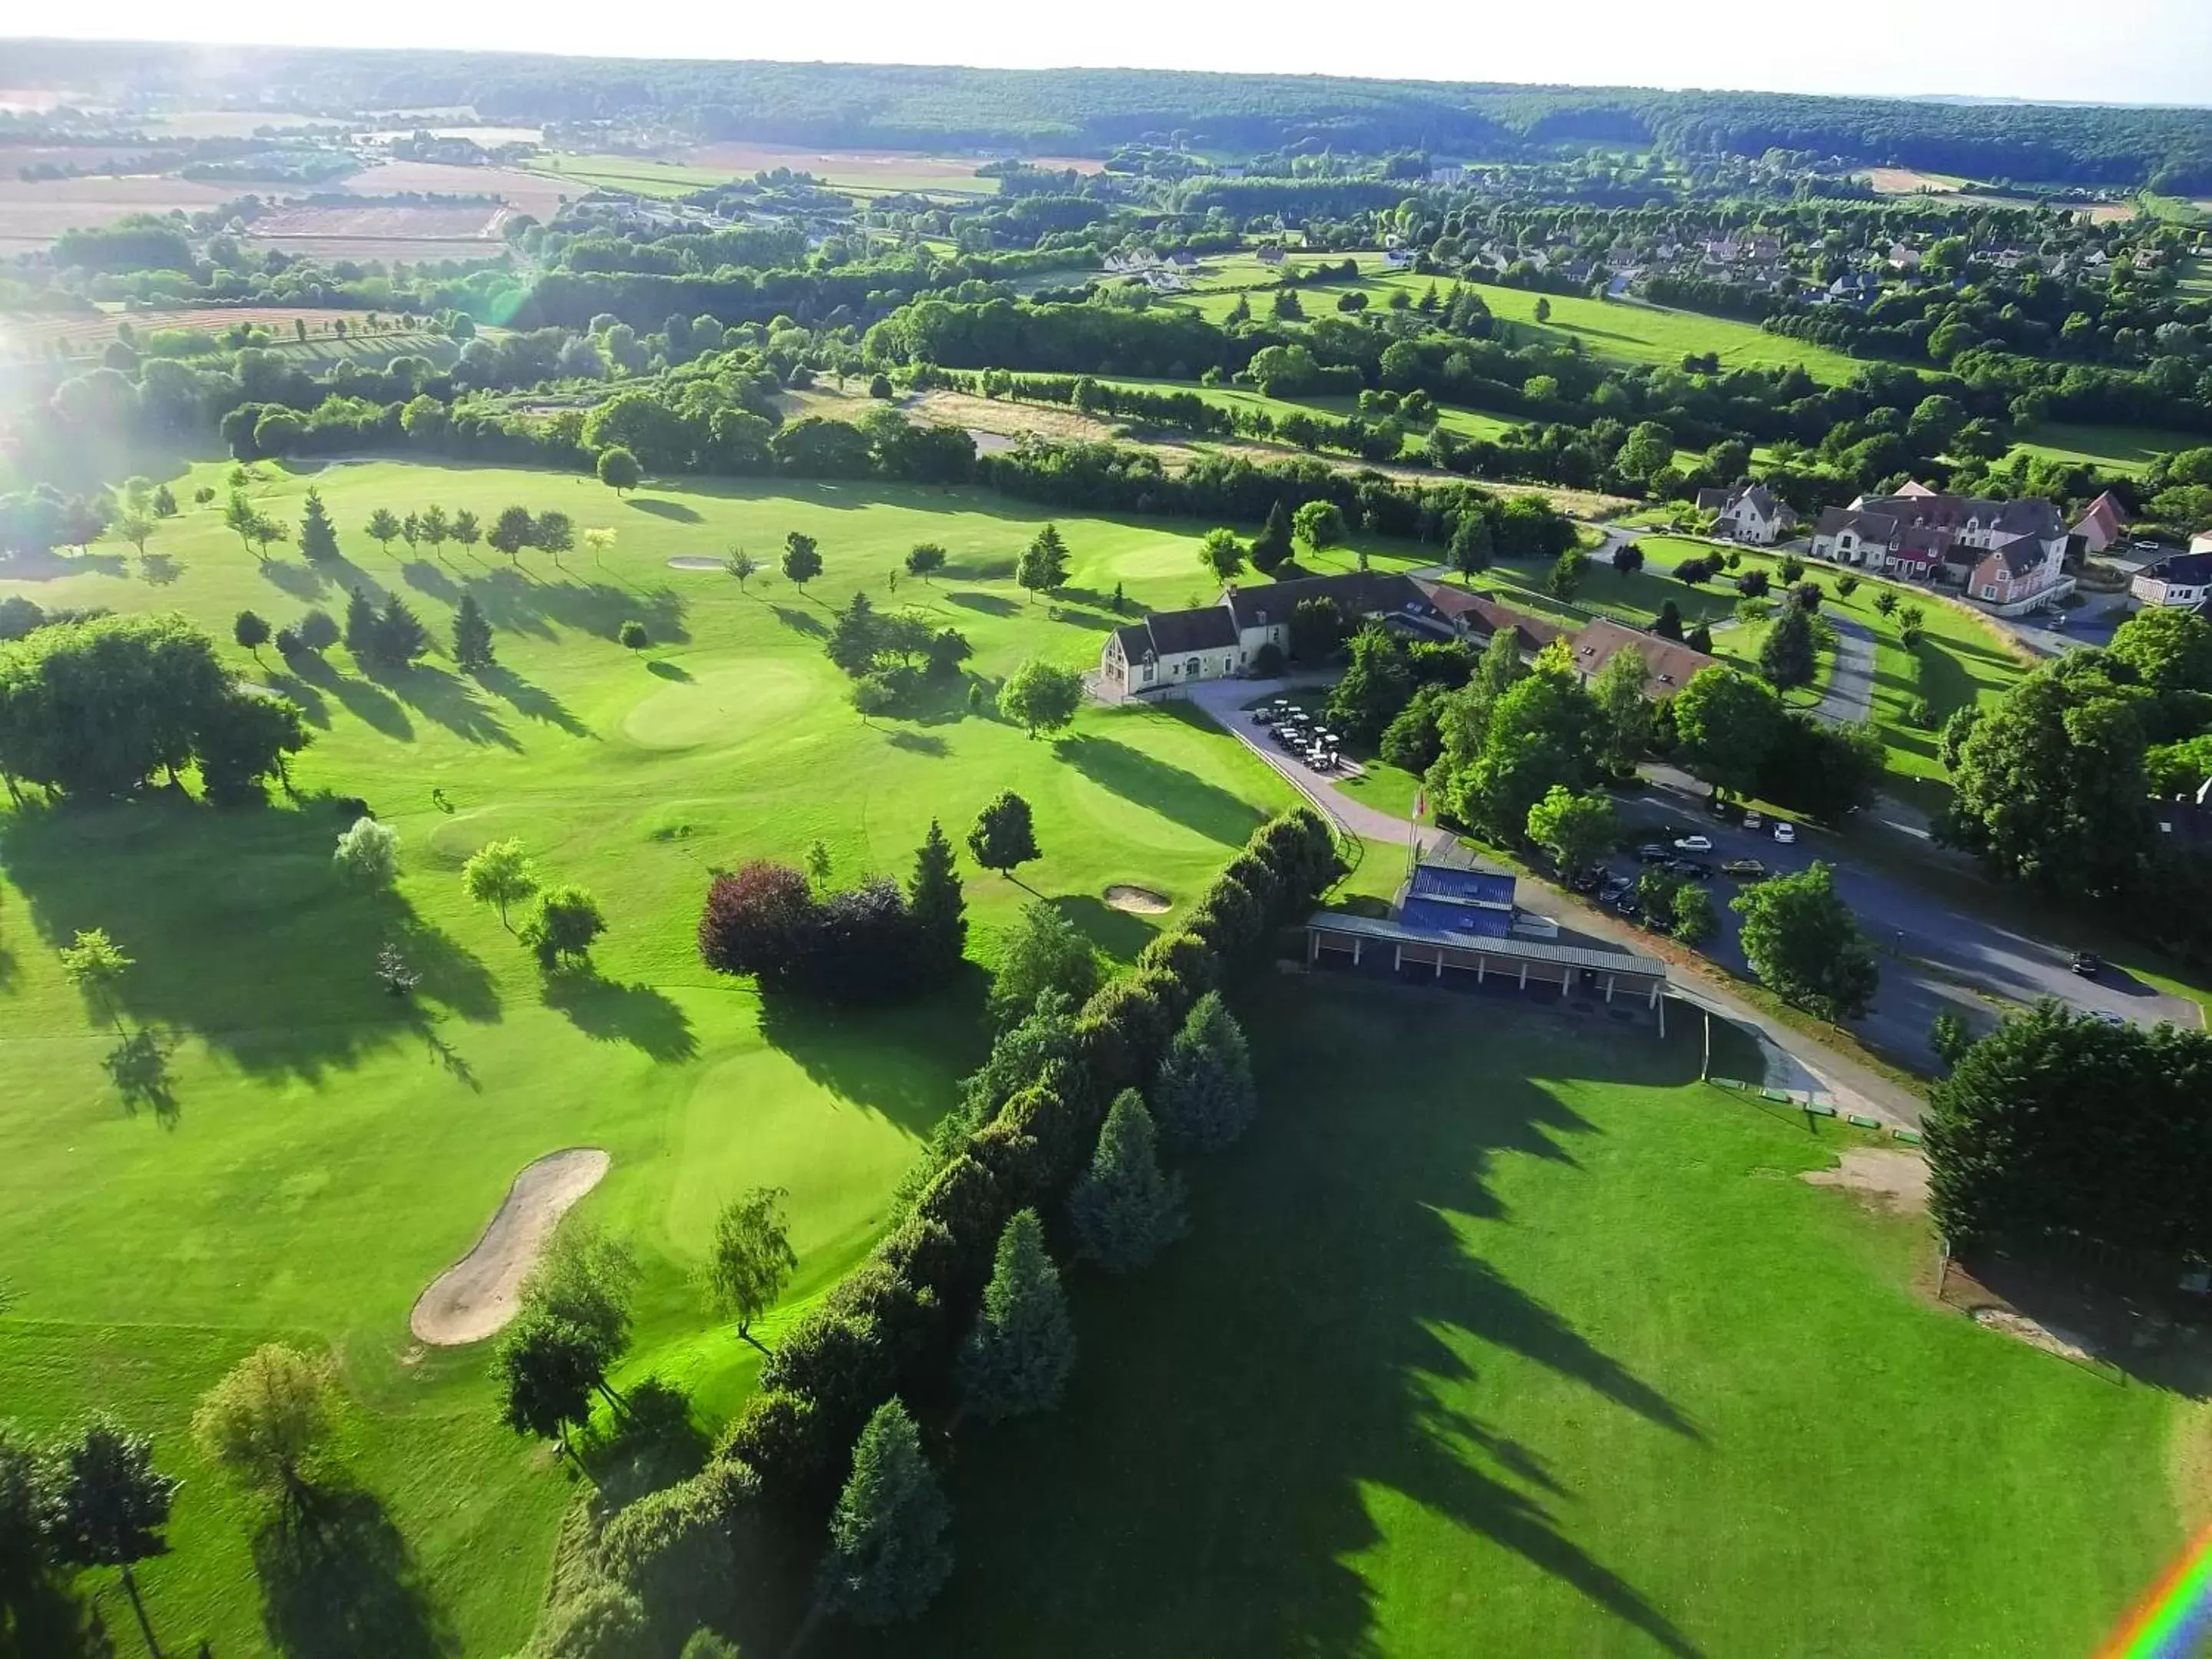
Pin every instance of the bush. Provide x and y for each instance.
(1267, 661)
(860, 945)
(632, 636)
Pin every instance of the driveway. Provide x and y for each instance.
(1850, 696)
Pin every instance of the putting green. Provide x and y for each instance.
(725, 705)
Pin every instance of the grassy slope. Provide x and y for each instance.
(2110, 449)
(1502, 1337)
(1469, 424)
(329, 1153)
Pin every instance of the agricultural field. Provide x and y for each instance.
(304, 1113)
(33, 212)
(1501, 1323)
(667, 179)
(1626, 331)
(2109, 448)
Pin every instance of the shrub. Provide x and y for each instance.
(634, 636)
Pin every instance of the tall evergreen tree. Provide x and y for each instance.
(1205, 1096)
(887, 1554)
(1017, 1358)
(400, 635)
(360, 627)
(471, 636)
(1273, 547)
(1124, 1209)
(935, 900)
(318, 537)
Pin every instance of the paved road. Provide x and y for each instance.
(1850, 696)
(1224, 704)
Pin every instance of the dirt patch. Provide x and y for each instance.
(1138, 900)
(478, 1294)
(943, 408)
(374, 221)
(2067, 1345)
(532, 192)
(1896, 1180)
(2190, 1461)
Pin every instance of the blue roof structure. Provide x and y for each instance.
(1454, 899)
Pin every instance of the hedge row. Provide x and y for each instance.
(892, 1325)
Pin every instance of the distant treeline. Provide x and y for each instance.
(1097, 110)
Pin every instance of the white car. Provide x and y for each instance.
(1753, 820)
(1693, 844)
(1785, 833)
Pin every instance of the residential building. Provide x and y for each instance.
(2178, 581)
(2101, 524)
(1271, 253)
(2009, 555)
(1669, 664)
(1749, 512)
(1170, 647)
(2200, 542)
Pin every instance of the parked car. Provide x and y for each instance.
(1585, 881)
(1695, 869)
(1754, 821)
(1745, 869)
(1694, 844)
(1652, 852)
(2087, 964)
(1785, 833)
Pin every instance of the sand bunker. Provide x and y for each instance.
(694, 562)
(476, 1295)
(1138, 900)
(1898, 1179)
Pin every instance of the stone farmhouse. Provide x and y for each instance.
(2007, 556)
(1749, 512)
(1172, 648)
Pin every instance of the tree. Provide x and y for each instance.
(251, 631)
(1222, 554)
(1755, 584)
(1124, 1209)
(1566, 574)
(1801, 940)
(436, 528)
(856, 637)
(94, 963)
(1543, 730)
(1041, 696)
(360, 627)
(562, 927)
(383, 528)
(135, 527)
(466, 531)
(400, 637)
(1885, 600)
(618, 469)
(1575, 829)
(547, 1368)
(554, 532)
(1019, 1354)
(241, 517)
(1725, 721)
(1669, 624)
(1046, 953)
(1320, 524)
(1473, 547)
(368, 853)
(1543, 311)
(1623, 709)
(499, 873)
(410, 528)
(1003, 838)
(1273, 547)
(1692, 915)
(887, 1557)
(925, 560)
(1377, 683)
(471, 636)
(268, 1419)
(1846, 584)
(1786, 656)
(26, 1515)
(318, 537)
(1949, 1037)
(937, 904)
(2170, 650)
(1205, 1095)
(752, 1258)
(164, 501)
(802, 559)
(512, 531)
(1628, 558)
(1043, 567)
(632, 636)
(316, 631)
(112, 1506)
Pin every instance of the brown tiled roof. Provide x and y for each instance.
(1484, 615)
(1671, 662)
(1358, 594)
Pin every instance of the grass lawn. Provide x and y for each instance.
(1625, 331)
(1503, 1334)
(2110, 448)
(329, 1151)
(1472, 424)
(630, 172)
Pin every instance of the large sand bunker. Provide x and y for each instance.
(476, 1295)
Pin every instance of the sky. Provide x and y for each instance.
(2111, 51)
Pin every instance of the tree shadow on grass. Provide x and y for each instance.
(661, 668)
(138, 1066)
(902, 1062)
(660, 509)
(301, 580)
(530, 701)
(1313, 1356)
(365, 699)
(636, 1014)
(801, 621)
(312, 708)
(450, 702)
(1183, 797)
(341, 1582)
(1120, 933)
(160, 569)
(432, 579)
(990, 604)
(516, 603)
(242, 932)
(918, 743)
